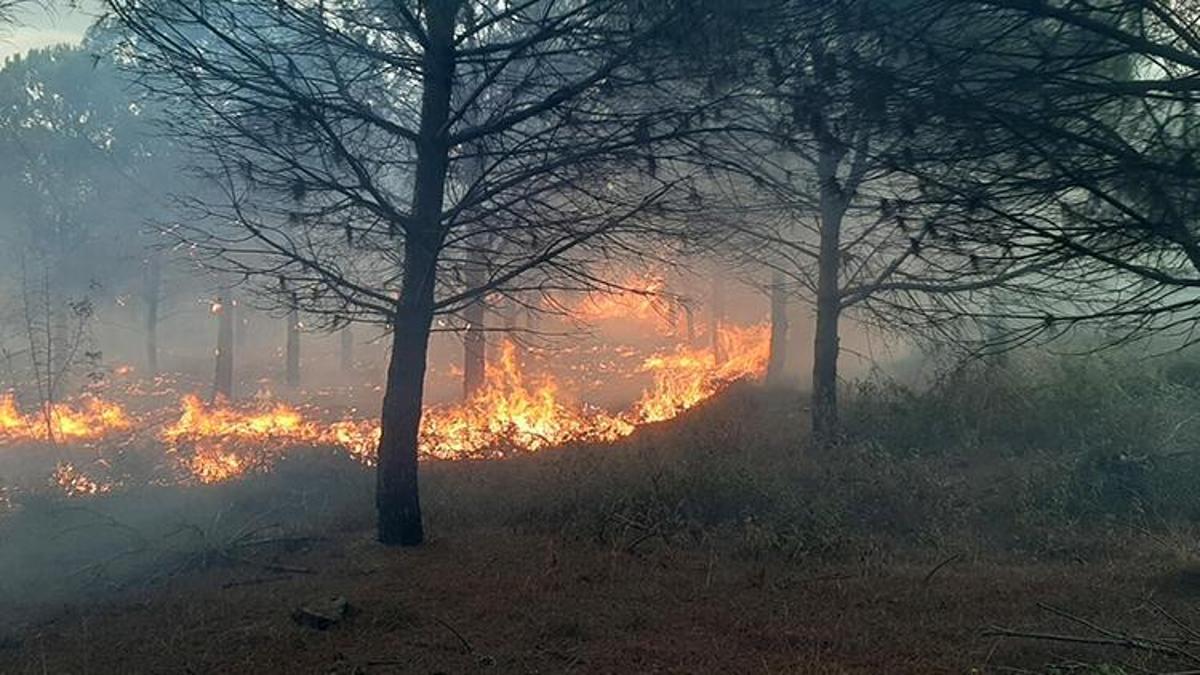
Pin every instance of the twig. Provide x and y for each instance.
(466, 645)
(1124, 642)
(271, 567)
(1173, 619)
(937, 568)
(253, 582)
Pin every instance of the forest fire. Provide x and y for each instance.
(521, 408)
(688, 375)
(89, 419)
(640, 298)
(513, 412)
(213, 439)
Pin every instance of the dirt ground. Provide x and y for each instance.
(492, 601)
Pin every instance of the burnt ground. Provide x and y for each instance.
(493, 601)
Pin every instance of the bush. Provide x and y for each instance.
(1109, 435)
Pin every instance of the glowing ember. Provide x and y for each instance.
(74, 482)
(91, 418)
(6, 502)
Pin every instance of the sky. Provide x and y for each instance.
(38, 27)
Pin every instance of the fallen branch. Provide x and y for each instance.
(466, 645)
(938, 567)
(1171, 648)
(271, 567)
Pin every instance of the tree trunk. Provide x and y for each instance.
(397, 497)
(293, 347)
(474, 350)
(716, 316)
(829, 304)
(475, 338)
(689, 317)
(223, 379)
(151, 293)
(346, 351)
(672, 317)
(531, 312)
(397, 493)
(777, 358)
(60, 343)
(241, 330)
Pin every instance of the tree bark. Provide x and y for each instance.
(777, 358)
(223, 379)
(716, 317)
(474, 350)
(397, 496)
(151, 293)
(397, 492)
(475, 338)
(293, 347)
(829, 306)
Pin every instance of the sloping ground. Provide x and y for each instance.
(712, 544)
(492, 601)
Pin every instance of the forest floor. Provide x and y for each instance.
(494, 601)
(708, 546)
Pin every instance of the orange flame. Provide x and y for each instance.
(640, 298)
(690, 375)
(90, 419)
(219, 442)
(510, 412)
(513, 412)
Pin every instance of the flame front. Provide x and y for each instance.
(688, 376)
(91, 418)
(513, 412)
(218, 442)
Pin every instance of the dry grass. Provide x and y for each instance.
(492, 601)
(715, 544)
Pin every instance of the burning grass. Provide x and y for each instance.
(87, 419)
(519, 410)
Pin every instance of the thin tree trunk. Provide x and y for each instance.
(151, 293)
(689, 317)
(292, 355)
(531, 312)
(508, 311)
(397, 496)
(223, 379)
(346, 351)
(241, 330)
(475, 338)
(777, 359)
(474, 350)
(60, 343)
(716, 317)
(829, 306)
(672, 317)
